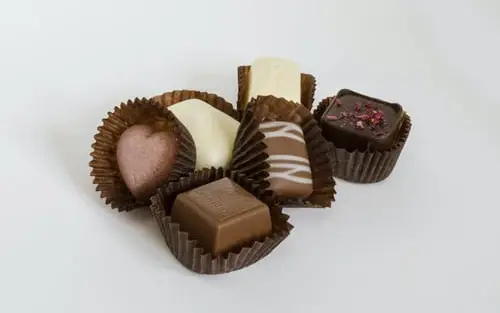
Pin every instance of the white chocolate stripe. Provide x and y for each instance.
(287, 157)
(284, 132)
(295, 167)
(275, 124)
(290, 176)
(278, 134)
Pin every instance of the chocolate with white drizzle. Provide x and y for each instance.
(289, 171)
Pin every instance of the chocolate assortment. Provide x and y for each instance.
(216, 177)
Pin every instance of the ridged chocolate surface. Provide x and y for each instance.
(187, 250)
(222, 215)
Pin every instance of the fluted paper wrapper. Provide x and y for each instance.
(249, 156)
(368, 166)
(187, 251)
(307, 88)
(104, 166)
(172, 97)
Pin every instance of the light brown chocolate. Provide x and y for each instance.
(145, 158)
(252, 150)
(222, 216)
(185, 246)
(289, 171)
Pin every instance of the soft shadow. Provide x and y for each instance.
(147, 235)
(142, 220)
(72, 152)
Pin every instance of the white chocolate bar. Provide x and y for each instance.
(274, 77)
(212, 130)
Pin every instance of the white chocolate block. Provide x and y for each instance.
(274, 77)
(212, 130)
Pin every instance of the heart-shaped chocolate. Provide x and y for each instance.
(145, 158)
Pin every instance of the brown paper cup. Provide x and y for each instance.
(104, 166)
(249, 157)
(187, 251)
(308, 88)
(369, 166)
(172, 97)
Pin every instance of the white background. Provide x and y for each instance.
(425, 240)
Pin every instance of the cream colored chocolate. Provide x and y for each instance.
(212, 130)
(274, 77)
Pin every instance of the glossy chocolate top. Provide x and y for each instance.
(355, 121)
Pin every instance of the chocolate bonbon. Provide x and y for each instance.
(145, 158)
(289, 171)
(355, 121)
(222, 215)
(277, 77)
(139, 146)
(212, 130)
(280, 145)
(243, 237)
(365, 135)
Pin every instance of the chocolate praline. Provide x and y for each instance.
(145, 158)
(289, 167)
(354, 121)
(222, 216)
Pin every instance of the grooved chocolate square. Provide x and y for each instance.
(221, 216)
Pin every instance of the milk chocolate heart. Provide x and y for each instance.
(145, 158)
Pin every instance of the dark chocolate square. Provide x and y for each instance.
(354, 121)
(222, 216)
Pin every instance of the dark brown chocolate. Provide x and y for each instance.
(222, 216)
(145, 158)
(289, 169)
(354, 121)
